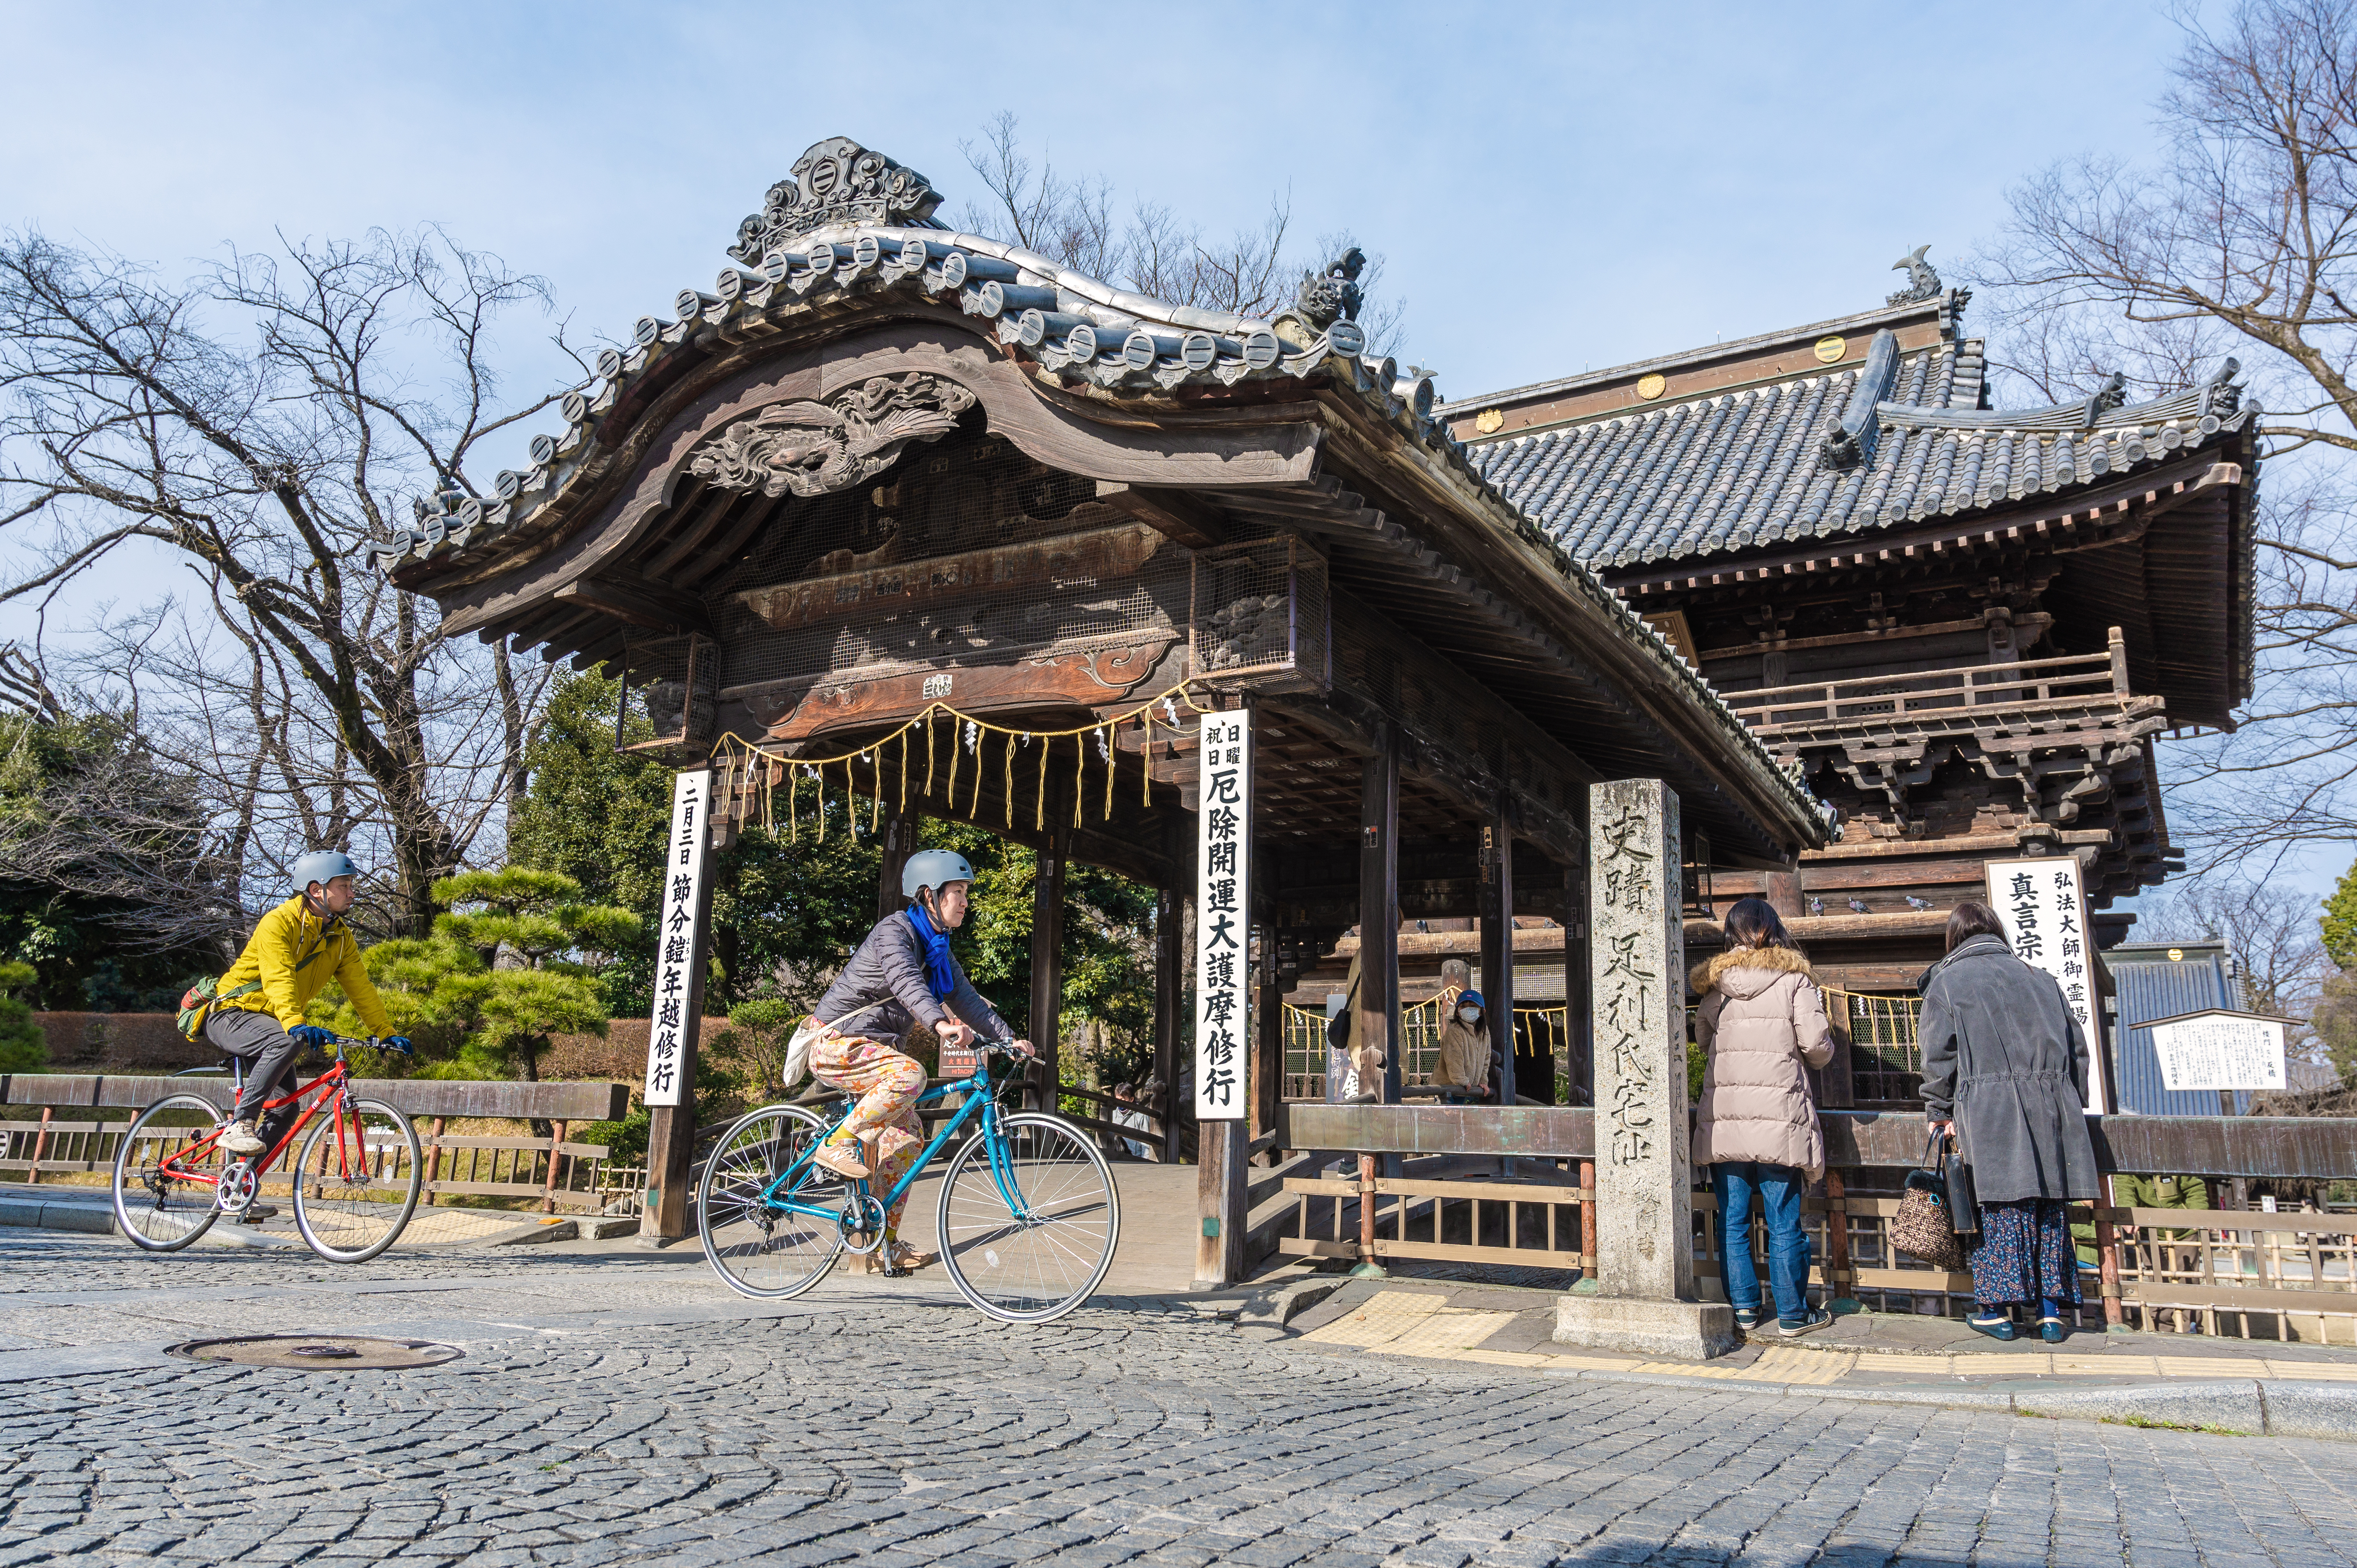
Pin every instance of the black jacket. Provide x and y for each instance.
(889, 968)
(2004, 1058)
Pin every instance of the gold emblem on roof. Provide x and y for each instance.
(1490, 420)
(2177, 955)
(1652, 386)
(1830, 349)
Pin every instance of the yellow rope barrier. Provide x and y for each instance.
(737, 754)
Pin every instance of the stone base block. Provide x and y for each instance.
(1689, 1330)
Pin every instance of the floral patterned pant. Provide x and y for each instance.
(2025, 1254)
(888, 1084)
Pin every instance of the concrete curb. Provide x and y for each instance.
(90, 1218)
(2240, 1407)
(527, 1235)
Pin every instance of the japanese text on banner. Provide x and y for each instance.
(2044, 911)
(676, 994)
(1224, 917)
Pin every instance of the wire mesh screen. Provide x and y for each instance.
(1260, 607)
(970, 548)
(675, 682)
(1885, 1054)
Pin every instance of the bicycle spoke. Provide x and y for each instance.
(357, 1178)
(753, 1243)
(1039, 1263)
(167, 1171)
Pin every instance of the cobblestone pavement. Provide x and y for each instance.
(613, 1411)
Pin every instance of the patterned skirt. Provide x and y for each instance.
(2025, 1253)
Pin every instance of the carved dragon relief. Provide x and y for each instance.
(817, 449)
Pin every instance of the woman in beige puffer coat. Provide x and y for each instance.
(1763, 1019)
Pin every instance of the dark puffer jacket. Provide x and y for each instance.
(889, 968)
(2004, 1059)
(1761, 1017)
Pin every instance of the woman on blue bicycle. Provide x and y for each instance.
(902, 976)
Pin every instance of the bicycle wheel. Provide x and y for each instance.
(756, 1250)
(356, 1180)
(1036, 1247)
(168, 1173)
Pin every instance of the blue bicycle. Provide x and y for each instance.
(1027, 1214)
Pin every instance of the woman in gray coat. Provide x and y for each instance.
(2005, 1068)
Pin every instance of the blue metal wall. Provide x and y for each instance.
(2151, 985)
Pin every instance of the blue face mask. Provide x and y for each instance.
(941, 978)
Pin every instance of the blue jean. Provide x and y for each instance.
(1780, 1188)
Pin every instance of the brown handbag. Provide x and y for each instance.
(1922, 1225)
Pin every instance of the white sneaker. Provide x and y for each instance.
(242, 1139)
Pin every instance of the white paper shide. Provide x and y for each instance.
(675, 943)
(1224, 917)
(2044, 911)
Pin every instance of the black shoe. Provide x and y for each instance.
(1817, 1319)
(1748, 1320)
(252, 1214)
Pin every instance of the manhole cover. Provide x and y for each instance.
(317, 1352)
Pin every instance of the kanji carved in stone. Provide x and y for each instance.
(817, 449)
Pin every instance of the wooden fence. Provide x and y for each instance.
(550, 1172)
(2288, 1276)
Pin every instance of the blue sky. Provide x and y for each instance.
(1554, 186)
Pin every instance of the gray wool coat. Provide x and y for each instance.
(2005, 1059)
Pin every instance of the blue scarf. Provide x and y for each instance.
(941, 970)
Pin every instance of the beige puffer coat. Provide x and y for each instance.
(1761, 1016)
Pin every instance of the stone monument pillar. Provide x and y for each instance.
(1643, 1273)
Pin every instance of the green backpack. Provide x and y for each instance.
(198, 1001)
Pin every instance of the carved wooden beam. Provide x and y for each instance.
(639, 603)
(1175, 513)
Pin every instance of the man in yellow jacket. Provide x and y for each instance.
(295, 949)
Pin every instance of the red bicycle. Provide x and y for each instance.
(356, 1177)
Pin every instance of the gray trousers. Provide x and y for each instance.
(269, 1053)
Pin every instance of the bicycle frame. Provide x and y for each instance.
(980, 1096)
(336, 1082)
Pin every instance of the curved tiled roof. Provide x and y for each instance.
(1715, 475)
(1067, 323)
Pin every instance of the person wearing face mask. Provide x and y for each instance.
(1464, 1047)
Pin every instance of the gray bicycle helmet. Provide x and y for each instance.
(322, 865)
(932, 867)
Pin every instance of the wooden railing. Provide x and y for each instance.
(1305, 1044)
(1544, 1217)
(1986, 690)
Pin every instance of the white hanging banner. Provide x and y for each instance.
(1223, 915)
(2044, 911)
(2219, 1049)
(678, 947)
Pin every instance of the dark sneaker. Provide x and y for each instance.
(1818, 1318)
(1748, 1320)
(1995, 1325)
(2053, 1330)
(253, 1214)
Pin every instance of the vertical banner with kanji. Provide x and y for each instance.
(2043, 908)
(675, 942)
(1224, 917)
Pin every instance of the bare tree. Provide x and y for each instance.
(267, 422)
(2238, 238)
(2270, 930)
(1071, 221)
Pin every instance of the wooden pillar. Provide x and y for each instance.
(1784, 892)
(1268, 1033)
(2107, 1260)
(1580, 1011)
(1047, 954)
(1497, 943)
(1838, 1290)
(1168, 956)
(670, 1129)
(41, 1149)
(1220, 1189)
(434, 1159)
(899, 843)
(1379, 1006)
(556, 1153)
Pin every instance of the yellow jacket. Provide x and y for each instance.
(292, 954)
